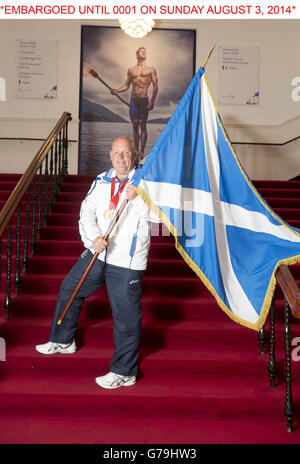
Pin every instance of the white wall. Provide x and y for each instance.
(275, 120)
(35, 118)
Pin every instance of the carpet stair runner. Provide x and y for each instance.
(201, 380)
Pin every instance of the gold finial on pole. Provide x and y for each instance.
(208, 56)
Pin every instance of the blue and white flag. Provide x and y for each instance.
(223, 228)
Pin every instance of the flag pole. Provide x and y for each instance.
(208, 56)
(91, 263)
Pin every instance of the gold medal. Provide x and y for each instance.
(109, 214)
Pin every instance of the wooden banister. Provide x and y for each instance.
(23, 184)
(291, 294)
(289, 288)
(33, 195)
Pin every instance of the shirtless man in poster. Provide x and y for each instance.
(140, 77)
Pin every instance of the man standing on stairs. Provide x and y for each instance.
(120, 265)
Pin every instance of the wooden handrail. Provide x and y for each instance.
(31, 139)
(23, 184)
(276, 144)
(289, 288)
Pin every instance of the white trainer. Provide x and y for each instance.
(52, 348)
(112, 380)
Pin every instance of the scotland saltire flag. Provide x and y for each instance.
(223, 228)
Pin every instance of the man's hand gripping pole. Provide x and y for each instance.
(91, 263)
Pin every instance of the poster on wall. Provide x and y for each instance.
(239, 75)
(129, 87)
(37, 68)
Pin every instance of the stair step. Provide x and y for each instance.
(189, 286)
(75, 197)
(83, 178)
(158, 266)
(97, 307)
(44, 430)
(10, 177)
(280, 192)
(277, 184)
(160, 363)
(75, 248)
(287, 213)
(192, 398)
(156, 333)
(284, 202)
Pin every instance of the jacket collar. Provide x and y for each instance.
(111, 173)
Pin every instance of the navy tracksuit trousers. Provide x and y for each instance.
(124, 287)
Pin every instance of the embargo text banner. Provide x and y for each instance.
(115, 9)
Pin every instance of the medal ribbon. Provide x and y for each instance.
(114, 199)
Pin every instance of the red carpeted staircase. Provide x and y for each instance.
(202, 379)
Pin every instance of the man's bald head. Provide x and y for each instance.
(129, 141)
(123, 155)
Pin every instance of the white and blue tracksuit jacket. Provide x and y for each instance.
(129, 241)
